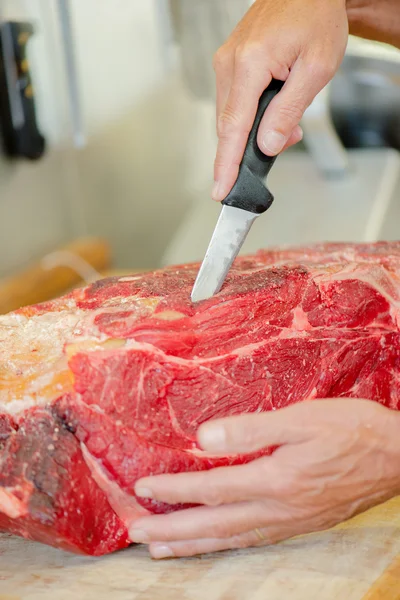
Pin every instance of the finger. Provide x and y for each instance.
(235, 122)
(262, 536)
(251, 432)
(287, 108)
(295, 137)
(224, 66)
(201, 522)
(160, 550)
(223, 485)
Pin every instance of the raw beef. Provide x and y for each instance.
(111, 382)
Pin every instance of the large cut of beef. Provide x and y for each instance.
(111, 382)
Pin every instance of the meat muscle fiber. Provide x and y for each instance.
(110, 383)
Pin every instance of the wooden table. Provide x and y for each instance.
(359, 560)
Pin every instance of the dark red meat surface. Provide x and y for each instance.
(111, 382)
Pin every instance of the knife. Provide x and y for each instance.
(247, 200)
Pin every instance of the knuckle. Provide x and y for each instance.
(322, 69)
(290, 112)
(212, 496)
(221, 59)
(228, 120)
(220, 162)
(285, 485)
(280, 70)
(230, 124)
(246, 54)
(220, 530)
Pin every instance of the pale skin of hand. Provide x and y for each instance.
(296, 41)
(335, 458)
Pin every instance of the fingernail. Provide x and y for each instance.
(143, 492)
(161, 551)
(212, 437)
(273, 141)
(139, 536)
(215, 192)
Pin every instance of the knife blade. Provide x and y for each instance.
(248, 199)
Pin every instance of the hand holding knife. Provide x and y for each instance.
(248, 199)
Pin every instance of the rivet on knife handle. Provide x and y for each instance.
(250, 192)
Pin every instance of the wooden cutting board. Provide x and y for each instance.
(359, 560)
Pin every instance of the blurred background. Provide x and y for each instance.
(107, 115)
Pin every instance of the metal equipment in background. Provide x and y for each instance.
(365, 100)
(19, 127)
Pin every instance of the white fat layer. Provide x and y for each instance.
(374, 275)
(26, 340)
(12, 506)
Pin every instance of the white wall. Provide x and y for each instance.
(34, 212)
(150, 144)
(146, 137)
(119, 56)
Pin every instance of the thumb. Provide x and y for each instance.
(251, 432)
(287, 108)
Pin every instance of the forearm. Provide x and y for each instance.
(377, 20)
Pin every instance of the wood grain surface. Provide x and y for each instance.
(358, 560)
(387, 586)
(38, 284)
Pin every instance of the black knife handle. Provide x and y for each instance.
(250, 192)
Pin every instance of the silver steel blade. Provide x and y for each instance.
(229, 234)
